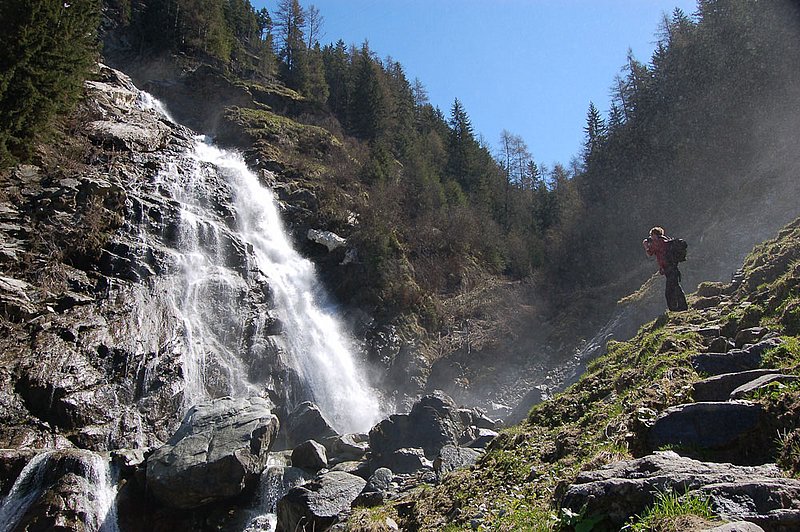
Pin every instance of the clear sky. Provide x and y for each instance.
(528, 66)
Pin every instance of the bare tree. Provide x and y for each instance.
(314, 21)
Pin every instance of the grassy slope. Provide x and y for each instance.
(602, 417)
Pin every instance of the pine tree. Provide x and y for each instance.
(461, 148)
(46, 50)
(289, 23)
(595, 130)
(369, 103)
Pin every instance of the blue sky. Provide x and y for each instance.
(528, 66)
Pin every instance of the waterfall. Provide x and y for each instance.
(32, 482)
(26, 490)
(313, 341)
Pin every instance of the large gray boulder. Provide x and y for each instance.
(317, 505)
(310, 456)
(434, 421)
(625, 488)
(220, 448)
(761, 382)
(725, 431)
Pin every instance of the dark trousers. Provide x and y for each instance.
(676, 299)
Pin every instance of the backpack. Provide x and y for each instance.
(676, 250)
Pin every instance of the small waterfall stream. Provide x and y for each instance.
(99, 512)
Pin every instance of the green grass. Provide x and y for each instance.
(668, 507)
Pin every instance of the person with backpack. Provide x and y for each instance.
(669, 252)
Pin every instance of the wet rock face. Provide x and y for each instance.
(93, 287)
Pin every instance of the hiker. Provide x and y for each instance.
(657, 244)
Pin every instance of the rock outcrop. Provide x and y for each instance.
(220, 449)
(623, 489)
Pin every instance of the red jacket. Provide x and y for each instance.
(657, 245)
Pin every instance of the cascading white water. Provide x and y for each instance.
(30, 485)
(26, 489)
(316, 347)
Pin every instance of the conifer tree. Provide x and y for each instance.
(46, 50)
(595, 130)
(369, 104)
(289, 23)
(461, 148)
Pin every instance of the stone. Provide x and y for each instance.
(772, 503)
(357, 468)
(310, 456)
(750, 336)
(276, 481)
(622, 489)
(482, 439)
(381, 480)
(406, 460)
(735, 360)
(317, 505)
(761, 382)
(326, 238)
(738, 526)
(720, 344)
(719, 387)
(451, 458)
(350, 446)
(434, 421)
(728, 431)
(220, 448)
(306, 422)
(61, 490)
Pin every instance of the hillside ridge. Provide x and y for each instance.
(650, 417)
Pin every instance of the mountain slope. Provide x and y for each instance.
(608, 414)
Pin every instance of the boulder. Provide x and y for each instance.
(721, 344)
(735, 360)
(326, 238)
(379, 488)
(482, 439)
(406, 460)
(220, 448)
(726, 431)
(772, 503)
(306, 422)
(750, 336)
(317, 505)
(350, 446)
(434, 421)
(622, 489)
(761, 382)
(719, 387)
(451, 458)
(276, 481)
(310, 456)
